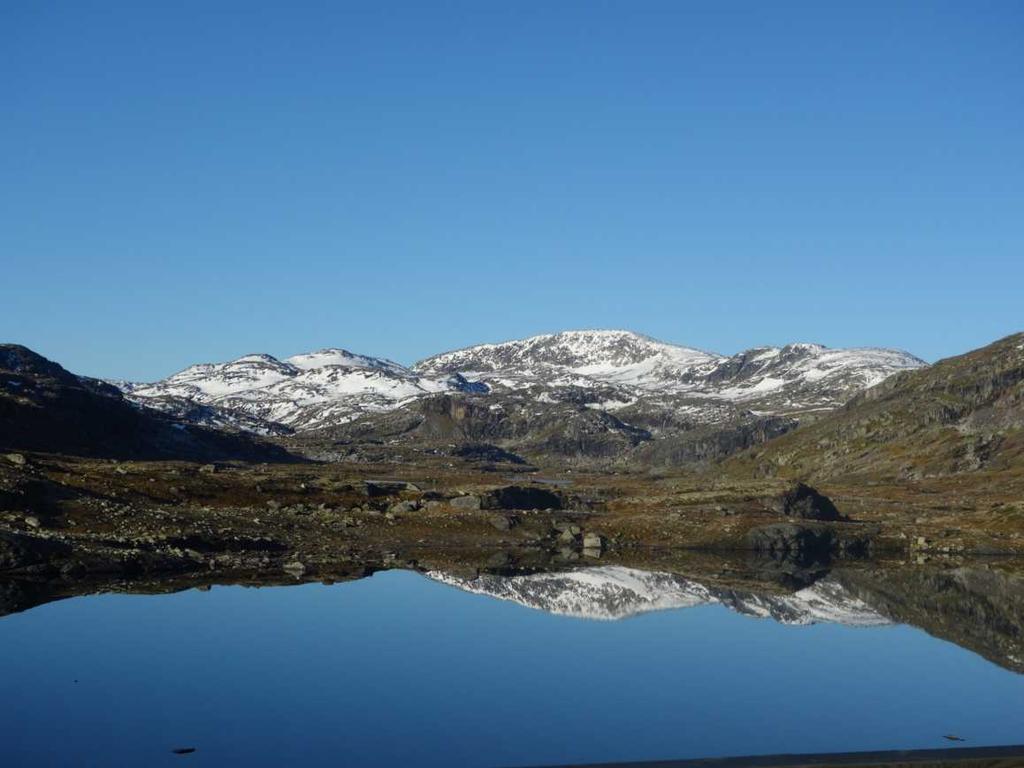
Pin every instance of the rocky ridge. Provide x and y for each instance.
(580, 394)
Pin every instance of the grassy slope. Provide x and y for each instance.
(963, 416)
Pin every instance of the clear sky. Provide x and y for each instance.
(194, 181)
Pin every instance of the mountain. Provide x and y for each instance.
(962, 414)
(43, 407)
(797, 376)
(574, 358)
(307, 391)
(616, 592)
(577, 394)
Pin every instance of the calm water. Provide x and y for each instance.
(400, 669)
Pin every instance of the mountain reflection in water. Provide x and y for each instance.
(402, 668)
(616, 592)
(979, 605)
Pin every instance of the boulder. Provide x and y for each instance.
(521, 497)
(17, 459)
(500, 522)
(403, 507)
(804, 502)
(388, 487)
(466, 502)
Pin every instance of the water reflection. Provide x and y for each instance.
(979, 605)
(510, 658)
(617, 592)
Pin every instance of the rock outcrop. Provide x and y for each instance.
(804, 502)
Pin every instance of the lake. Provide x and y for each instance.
(440, 669)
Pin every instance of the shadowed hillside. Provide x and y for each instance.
(43, 407)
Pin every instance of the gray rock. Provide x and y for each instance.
(295, 567)
(18, 459)
(403, 507)
(208, 469)
(500, 522)
(593, 541)
(465, 502)
(32, 522)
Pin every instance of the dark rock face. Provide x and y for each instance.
(46, 408)
(703, 444)
(803, 502)
(521, 497)
(486, 452)
(516, 424)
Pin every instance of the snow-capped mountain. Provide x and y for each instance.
(797, 376)
(575, 379)
(576, 357)
(303, 392)
(616, 592)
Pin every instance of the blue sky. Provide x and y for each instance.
(195, 181)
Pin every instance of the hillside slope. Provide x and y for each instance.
(964, 414)
(45, 408)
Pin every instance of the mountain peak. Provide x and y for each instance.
(336, 356)
(258, 357)
(578, 351)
